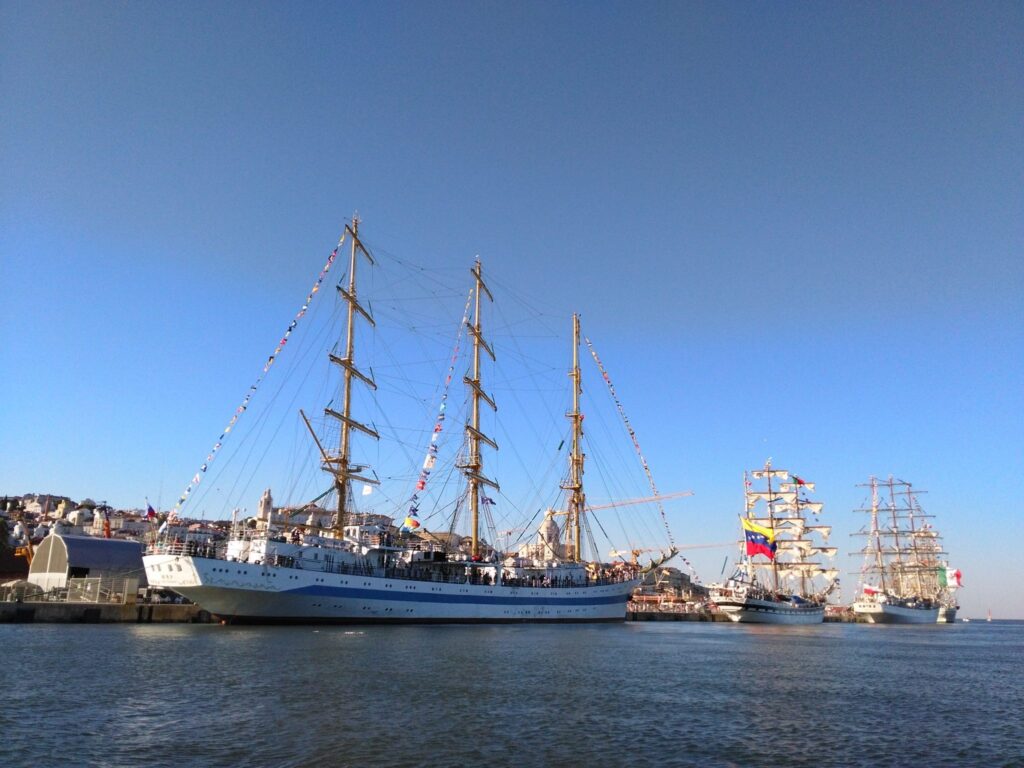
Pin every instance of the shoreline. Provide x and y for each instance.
(102, 613)
(169, 613)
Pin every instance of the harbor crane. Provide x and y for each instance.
(610, 505)
(26, 550)
(633, 553)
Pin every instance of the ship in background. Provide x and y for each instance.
(789, 584)
(939, 579)
(904, 578)
(364, 568)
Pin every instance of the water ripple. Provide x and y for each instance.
(667, 694)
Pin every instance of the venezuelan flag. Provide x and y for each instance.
(760, 539)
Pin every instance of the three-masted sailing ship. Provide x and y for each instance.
(364, 568)
(904, 578)
(780, 578)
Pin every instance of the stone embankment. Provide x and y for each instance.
(102, 613)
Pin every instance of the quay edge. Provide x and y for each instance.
(102, 613)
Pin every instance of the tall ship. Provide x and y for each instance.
(780, 577)
(903, 577)
(939, 579)
(298, 566)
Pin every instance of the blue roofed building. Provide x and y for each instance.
(60, 558)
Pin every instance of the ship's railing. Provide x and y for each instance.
(327, 565)
(453, 574)
(105, 590)
(185, 548)
(102, 590)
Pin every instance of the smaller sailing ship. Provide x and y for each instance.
(939, 580)
(788, 584)
(901, 558)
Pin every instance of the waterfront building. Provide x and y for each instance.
(60, 558)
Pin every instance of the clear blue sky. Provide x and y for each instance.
(794, 230)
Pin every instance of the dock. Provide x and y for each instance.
(102, 613)
(171, 613)
(846, 617)
(675, 616)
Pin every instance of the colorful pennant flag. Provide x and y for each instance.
(197, 478)
(411, 522)
(636, 446)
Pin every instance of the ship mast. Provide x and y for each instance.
(475, 463)
(926, 555)
(803, 571)
(771, 517)
(574, 485)
(899, 569)
(878, 536)
(748, 504)
(340, 466)
(913, 539)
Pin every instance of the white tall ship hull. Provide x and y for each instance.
(885, 613)
(239, 592)
(757, 611)
(947, 615)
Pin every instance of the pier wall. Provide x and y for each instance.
(709, 616)
(675, 616)
(101, 613)
(155, 613)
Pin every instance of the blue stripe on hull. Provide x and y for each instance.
(427, 597)
(228, 619)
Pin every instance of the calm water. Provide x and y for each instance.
(687, 694)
